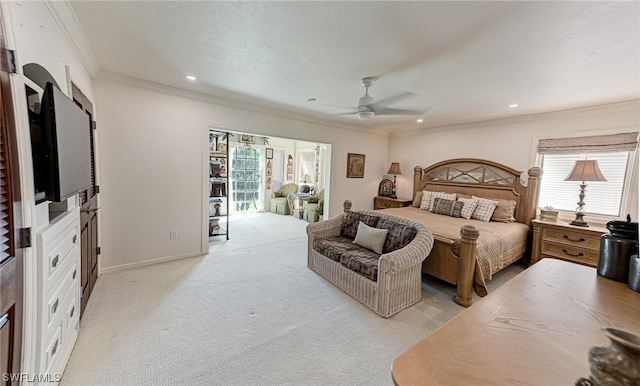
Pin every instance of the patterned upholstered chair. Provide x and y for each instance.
(279, 203)
(314, 208)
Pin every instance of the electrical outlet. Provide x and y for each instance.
(173, 234)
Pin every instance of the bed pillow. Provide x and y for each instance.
(484, 210)
(449, 208)
(504, 211)
(469, 205)
(370, 238)
(417, 200)
(428, 197)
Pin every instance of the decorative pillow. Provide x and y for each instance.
(370, 238)
(349, 226)
(504, 211)
(450, 208)
(484, 210)
(469, 205)
(428, 197)
(399, 234)
(417, 200)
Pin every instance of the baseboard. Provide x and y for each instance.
(138, 264)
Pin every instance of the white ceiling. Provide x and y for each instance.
(464, 61)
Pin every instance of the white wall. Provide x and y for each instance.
(510, 141)
(41, 40)
(152, 145)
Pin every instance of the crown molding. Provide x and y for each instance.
(68, 22)
(227, 102)
(518, 118)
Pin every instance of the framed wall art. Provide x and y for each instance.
(246, 138)
(268, 153)
(355, 165)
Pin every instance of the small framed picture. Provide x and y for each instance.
(246, 138)
(269, 153)
(355, 165)
(222, 148)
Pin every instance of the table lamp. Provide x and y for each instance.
(395, 170)
(584, 170)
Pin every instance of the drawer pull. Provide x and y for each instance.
(73, 275)
(75, 237)
(580, 240)
(54, 262)
(54, 308)
(579, 254)
(387, 204)
(54, 348)
(73, 311)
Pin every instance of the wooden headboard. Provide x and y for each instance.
(482, 178)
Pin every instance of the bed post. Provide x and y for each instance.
(533, 191)
(466, 265)
(417, 177)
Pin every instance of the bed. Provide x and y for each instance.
(468, 252)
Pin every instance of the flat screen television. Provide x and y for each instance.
(61, 147)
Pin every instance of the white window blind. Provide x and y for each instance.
(602, 198)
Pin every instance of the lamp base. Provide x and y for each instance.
(578, 221)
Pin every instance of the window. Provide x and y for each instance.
(614, 154)
(604, 198)
(245, 178)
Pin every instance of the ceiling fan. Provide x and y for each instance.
(368, 107)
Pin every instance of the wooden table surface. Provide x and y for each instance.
(536, 329)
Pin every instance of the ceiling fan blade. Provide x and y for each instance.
(347, 113)
(338, 105)
(391, 111)
(382, 103)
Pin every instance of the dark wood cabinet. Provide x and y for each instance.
(11, 263)
(88, 214)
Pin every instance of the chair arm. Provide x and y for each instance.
(323, 229)
(410, 255)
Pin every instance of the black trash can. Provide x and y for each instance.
(634, 272)
(616, 249)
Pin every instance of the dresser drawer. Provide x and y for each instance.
(65, 245)
(568, 252)
(67, 283)
(574, 239)
(53, 349)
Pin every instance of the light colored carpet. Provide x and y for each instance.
(248, 313)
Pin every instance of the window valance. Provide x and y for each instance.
(592, 144)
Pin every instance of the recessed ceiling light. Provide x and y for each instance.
(513, 105)
(420, 120)
(190, 77)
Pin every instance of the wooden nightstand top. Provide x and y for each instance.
(380, 202)
(565, 225)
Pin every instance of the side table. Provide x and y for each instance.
(380, 202)
(566, 242)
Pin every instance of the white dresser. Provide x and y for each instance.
(58, 293)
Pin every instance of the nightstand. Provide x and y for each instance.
(388, 202)
(566, 242)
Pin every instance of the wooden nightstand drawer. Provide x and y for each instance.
(567, 242)
(575, 239)
(568, 252)
(388, 202)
